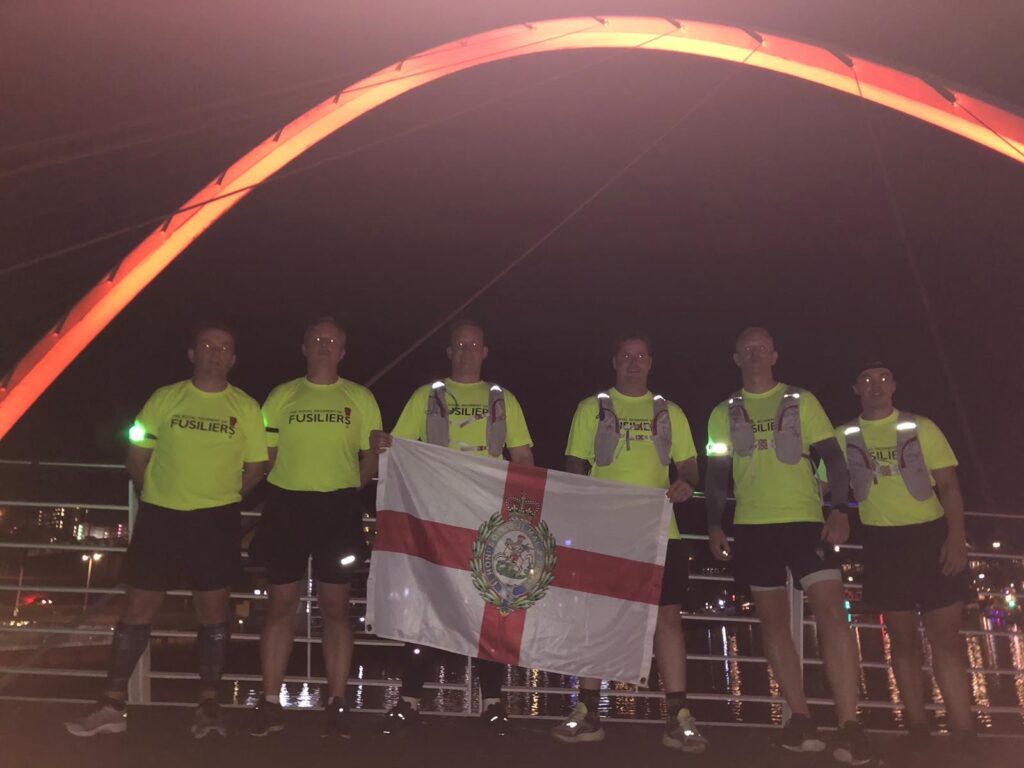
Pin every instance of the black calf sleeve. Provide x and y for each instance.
(129, 642)
(212, 645)
(415, 660)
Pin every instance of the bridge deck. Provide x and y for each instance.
(32, 734)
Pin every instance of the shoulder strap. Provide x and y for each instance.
(741, 429)
(910, 457)
(437, 415)
(606, 436)
(863, 472)
(497, 427)
(661, 429)
(789, 441)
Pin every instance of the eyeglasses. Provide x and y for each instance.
(206, 346)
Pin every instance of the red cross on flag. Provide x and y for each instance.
(520, 565)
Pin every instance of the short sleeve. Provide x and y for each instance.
(814, 422)
(683, 448)
(937, 452)
(272, 417)
(518, 433)
(146, 429)
(582, 431)
(719, 442)
(371, 419)
(255, 436)
(412, 423)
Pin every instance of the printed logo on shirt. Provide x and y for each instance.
(473, 412)
(205, 424)
(321, 416)
(764, 435)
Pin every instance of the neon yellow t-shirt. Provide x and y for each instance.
(768, 491)
(889, 502)
(319, 430)
(467, 418)
(200, 441)
(636, 459)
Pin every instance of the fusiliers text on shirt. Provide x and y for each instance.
(476, 411)
(321, 416)
(205, 424)
(883, 455)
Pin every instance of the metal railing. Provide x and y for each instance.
(140, 686)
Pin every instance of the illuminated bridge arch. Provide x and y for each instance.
(960, 113)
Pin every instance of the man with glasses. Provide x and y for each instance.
(318, 429)
(903, 476)
(762, 437)
(630, 435)
(463, 413)
(197, 448)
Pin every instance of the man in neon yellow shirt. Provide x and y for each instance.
(463, 420)
(761, 438)
(318, 430)
(915, 553)
(197, 447)
(631, 453)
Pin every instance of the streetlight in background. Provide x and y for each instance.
(89, 559)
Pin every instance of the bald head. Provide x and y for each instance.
(754, 332)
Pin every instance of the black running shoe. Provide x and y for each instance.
(851, 745)
(800, 734)
(268, 717)
(495, 720)
(207, 720)
(400, 718)
(337, 720)
(107, 716)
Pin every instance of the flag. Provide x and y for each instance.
(517, 564)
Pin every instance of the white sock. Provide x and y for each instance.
(489, 702)
(273, 699)
(415, 702)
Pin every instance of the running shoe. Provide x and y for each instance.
(108, 716)
(800, 734)
(580, 726)
(337, 720)
(399, 718)
(681, 733)
(495, 720)
(850, 746)
(267, 717)
(208, 719)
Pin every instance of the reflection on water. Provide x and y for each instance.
(1017, 652)
(979, 686)
(894, 691)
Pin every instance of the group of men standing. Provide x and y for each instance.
(199, 446)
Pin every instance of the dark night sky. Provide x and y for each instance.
(766, 206)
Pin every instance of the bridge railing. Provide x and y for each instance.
(46, 636)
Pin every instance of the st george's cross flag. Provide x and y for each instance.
(517, 564)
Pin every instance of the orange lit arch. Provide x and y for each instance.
(960, 113)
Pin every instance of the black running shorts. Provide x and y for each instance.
(198, 549)
(902, 569)
(675, 582)
(298, 524)
(763, 553)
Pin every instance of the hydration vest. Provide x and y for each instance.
(909, 459)
(606, 439)
(437, 418)
(789, 441)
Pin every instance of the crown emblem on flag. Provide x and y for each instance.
(522, 507)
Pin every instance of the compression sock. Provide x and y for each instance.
(129, 642)
(212, 645)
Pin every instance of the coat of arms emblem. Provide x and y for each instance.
(513, 561)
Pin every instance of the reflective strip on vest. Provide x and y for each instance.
(606, 437)
(438, 430)
(864, 470)
(789, 441)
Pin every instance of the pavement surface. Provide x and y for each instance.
(32, 735)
